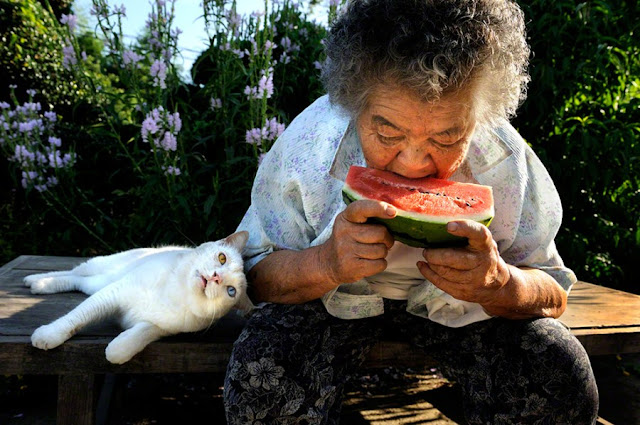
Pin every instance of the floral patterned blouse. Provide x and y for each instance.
(297, 195)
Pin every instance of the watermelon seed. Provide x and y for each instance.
(468, 204)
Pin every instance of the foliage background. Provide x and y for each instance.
(582, 117)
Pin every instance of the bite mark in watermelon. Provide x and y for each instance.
(424, 205)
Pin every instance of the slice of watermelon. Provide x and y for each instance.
(425, 205)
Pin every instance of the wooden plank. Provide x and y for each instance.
(397, 353)
(22, 312)
(594, 306)
(17, 356)
(602, 421)
(598, 342)
(44, 263)
(12, 264)
(75, 400)
(602, 330)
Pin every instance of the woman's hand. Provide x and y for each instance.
(474, 273)
(357, 249)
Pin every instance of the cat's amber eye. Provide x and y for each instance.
(222, 258)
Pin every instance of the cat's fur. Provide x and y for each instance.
(154, 292)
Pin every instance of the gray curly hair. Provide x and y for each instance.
(434, 48)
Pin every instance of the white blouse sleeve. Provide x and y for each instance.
(528, 211)
(275, 219)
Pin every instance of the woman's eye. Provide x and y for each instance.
(387, 140)
(446, 143)
(231, 291)
(222, 258)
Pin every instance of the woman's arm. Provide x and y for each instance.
(289, 277)
(528, 293)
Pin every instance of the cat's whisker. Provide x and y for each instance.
(213, 319)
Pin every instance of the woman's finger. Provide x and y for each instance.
(360, 211)
(479, 235)
(456, 258)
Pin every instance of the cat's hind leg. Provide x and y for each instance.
(132, 341)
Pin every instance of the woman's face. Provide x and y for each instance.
(402, 134)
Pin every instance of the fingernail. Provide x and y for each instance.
(452, 227)
(390, 210)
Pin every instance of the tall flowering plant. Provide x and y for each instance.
(44, 163)
(144, 95)
(28, 139)
(165, 160)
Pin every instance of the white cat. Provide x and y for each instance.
(154, 292)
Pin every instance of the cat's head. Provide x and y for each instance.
(217, 278)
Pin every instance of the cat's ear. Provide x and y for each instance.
(238, 240)
(244, 304)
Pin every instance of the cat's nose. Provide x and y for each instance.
(215, 278)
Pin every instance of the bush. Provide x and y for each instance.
(162, 161)
(582, 116)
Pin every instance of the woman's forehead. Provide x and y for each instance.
(402, 111)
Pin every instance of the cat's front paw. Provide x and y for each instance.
(31, 279)
(42, 285)
(118, 353)
(47, 337)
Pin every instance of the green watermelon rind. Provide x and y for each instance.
(414, 232)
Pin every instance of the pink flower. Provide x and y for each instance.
(120, 10)
(264, 89)
(70, 20)
(171, 170)
(216, 103)
(55, 141)
(163, 124)
(158, 71)
(149, 126)
(271, 130)
(69, 59)
(169, 142)
(129, 57)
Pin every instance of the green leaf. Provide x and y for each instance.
(208, 204)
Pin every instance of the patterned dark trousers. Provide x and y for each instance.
(291, 362)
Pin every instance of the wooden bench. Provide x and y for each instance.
(606, 321)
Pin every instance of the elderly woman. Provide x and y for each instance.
(419, 88)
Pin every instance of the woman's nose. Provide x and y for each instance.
(414, 163)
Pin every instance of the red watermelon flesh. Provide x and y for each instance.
(424, 205)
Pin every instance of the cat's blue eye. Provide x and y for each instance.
(231, 291)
